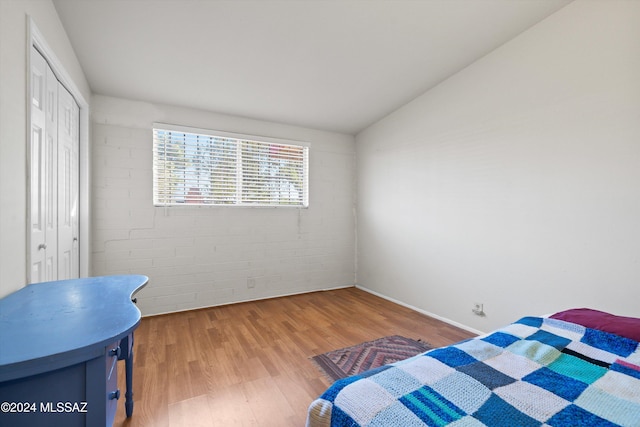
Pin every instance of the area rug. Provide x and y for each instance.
(368, 355)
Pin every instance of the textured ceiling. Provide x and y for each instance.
(337, 65)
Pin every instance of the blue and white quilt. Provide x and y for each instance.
(534, 372)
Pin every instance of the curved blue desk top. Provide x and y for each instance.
(50, 325)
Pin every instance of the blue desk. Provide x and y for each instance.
(59, 346)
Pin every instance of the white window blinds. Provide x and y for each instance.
(195, 166)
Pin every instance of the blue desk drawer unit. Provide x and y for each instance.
(60, 343)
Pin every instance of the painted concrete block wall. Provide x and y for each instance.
(514, 183)
(205, 256)
(13, 124)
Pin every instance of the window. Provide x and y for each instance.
(196, 166)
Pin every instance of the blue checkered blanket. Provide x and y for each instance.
(534, 372)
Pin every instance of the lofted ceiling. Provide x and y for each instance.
(337, 65)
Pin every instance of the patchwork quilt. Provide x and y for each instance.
(534, 372)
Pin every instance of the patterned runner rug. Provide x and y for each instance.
(368, 355)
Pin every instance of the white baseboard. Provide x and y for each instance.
(419, 310)
(204, 307)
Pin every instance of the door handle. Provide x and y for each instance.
(42, 246)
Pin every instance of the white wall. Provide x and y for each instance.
(13, 124)
(516, 182)
(204, 256)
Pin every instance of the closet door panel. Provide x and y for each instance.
(54, 177)
(43, 179)
(68, 186)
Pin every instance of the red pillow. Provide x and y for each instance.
(628, 327)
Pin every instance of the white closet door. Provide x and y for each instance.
(43, 186)
(68, 185)
(54, 177)
(36, 202)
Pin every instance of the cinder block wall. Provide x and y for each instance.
(204, 256)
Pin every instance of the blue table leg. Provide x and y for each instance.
(127, 344)
(128, 364)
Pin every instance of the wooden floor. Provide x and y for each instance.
(248, 364)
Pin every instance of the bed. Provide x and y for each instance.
(579, 367)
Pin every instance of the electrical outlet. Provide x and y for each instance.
(251, 283)
(478, 309)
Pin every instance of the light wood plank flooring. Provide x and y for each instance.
(249, 364)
